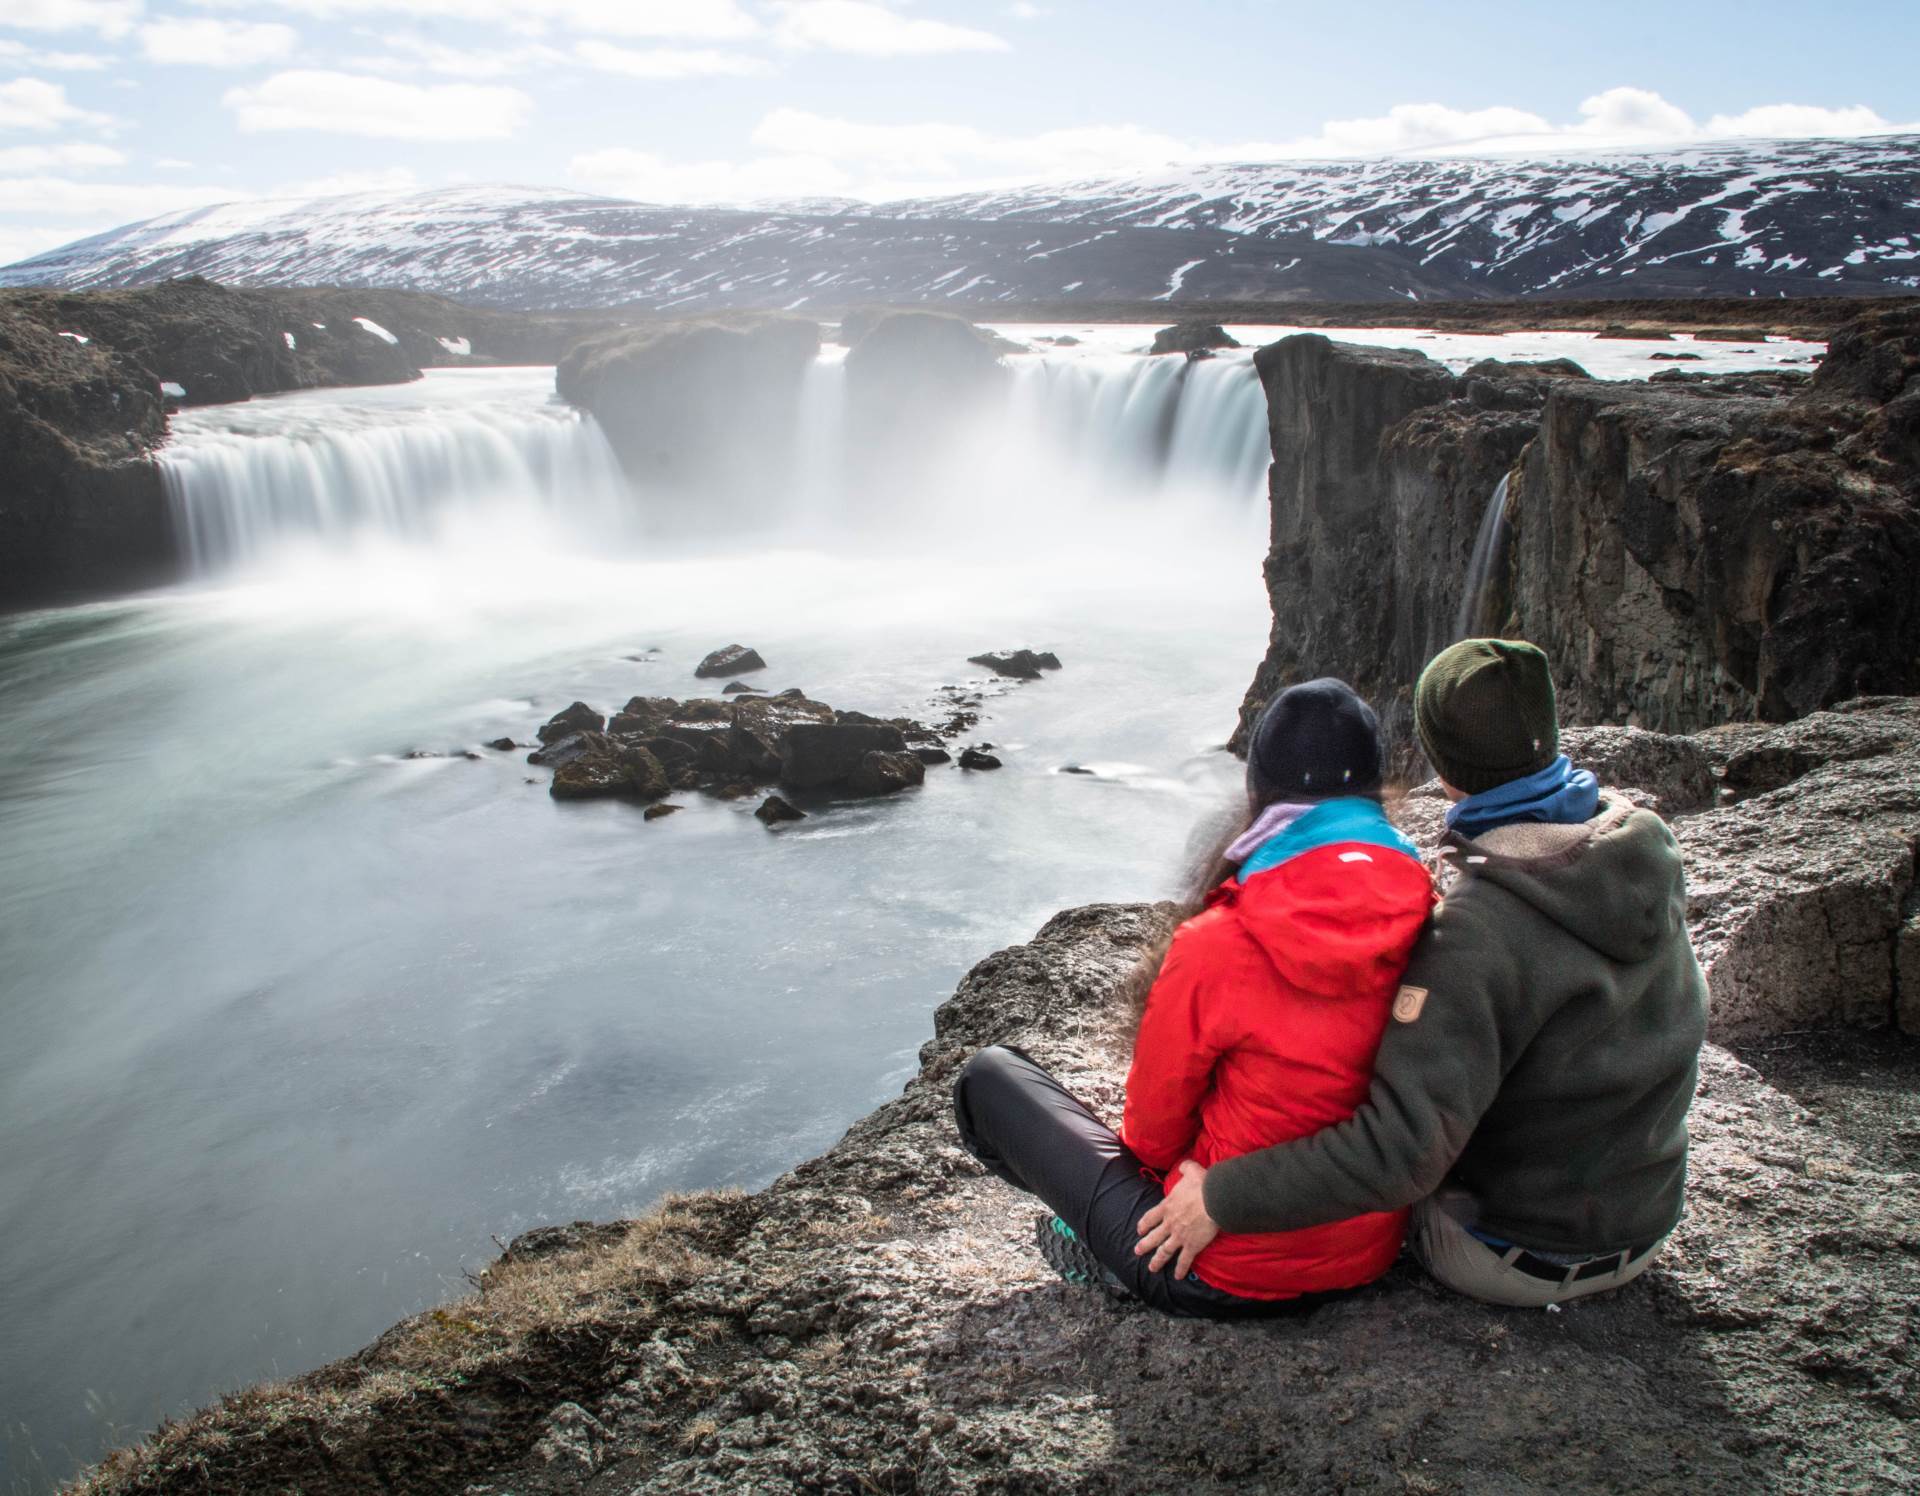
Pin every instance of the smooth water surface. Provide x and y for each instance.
(297, 1027)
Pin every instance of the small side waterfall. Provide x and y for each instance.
(1489, 551)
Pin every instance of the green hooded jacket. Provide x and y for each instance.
(1544, 1053)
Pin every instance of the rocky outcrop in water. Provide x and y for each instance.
(1193, 337)
(1017, 664)
(700, 406)
(1697, 550)
(878, 1320)
(727, 746)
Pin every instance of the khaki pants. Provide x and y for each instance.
(1470, 1266)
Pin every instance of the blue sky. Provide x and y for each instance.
(114, 110)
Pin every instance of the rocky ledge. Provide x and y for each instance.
(876, 1321)
(1690, 551)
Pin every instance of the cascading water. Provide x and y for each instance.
(419, 462)
(405, 464)
(1489, 547)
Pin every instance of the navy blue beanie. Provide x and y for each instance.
(1313, 742)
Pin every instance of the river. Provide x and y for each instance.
(298, 1027)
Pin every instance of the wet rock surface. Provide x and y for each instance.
(1017, 664)
(734, 659)
(1192, 337)
(728, 745)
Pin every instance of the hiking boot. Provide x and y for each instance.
(1071, 1258)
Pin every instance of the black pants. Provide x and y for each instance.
(1025, 1126)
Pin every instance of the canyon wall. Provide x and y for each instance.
(1691, 551)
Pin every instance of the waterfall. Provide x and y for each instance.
(427, 462)
(241, 485)
(1142, 421)
(1489, 548)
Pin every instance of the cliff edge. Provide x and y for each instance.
(876, 1320)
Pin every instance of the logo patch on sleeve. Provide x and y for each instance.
(1408, 1002)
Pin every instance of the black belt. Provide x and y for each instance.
(1558, 1272)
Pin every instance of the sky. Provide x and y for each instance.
(117, 110)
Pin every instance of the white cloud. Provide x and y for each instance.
(1799, 121)
(206, 42)
(1617, 117)
(1025, 10)
(392, 179)
(416, 53)
(682, 20)
(871, 30)
(19, 54)
(352, 104)
(111, 18)
(103, 204)
(1408, 127)
(34, 104)
(651, 178)
(798, 153)
(670, 62)
(19, 241)
(72, 156)
(932, 151)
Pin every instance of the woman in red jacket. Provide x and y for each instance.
(1260, 1027)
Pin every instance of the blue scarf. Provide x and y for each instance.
(1329, 823)
(1559, 794)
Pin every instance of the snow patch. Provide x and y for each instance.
(1175, 281)
(458, 347)
(377, 330)
(77, 337)
(290, 342)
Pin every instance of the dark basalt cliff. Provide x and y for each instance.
(877, 1319)
(78, 497)
(1690, 551)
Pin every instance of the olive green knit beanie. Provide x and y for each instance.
(1484, 713)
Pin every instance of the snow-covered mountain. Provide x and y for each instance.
(1766, 218)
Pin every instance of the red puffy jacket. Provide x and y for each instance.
(1262, 1028)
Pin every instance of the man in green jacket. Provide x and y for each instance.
(1530, 1098)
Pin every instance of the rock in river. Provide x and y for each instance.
(735, 659)
(609, 766)
(773, 809)
(816, 755)
(886, 773)
(577, 718)
(1018, 664)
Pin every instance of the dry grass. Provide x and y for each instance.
(610, 1284)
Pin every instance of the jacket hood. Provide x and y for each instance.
(1615, 882)
(1339, 921)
